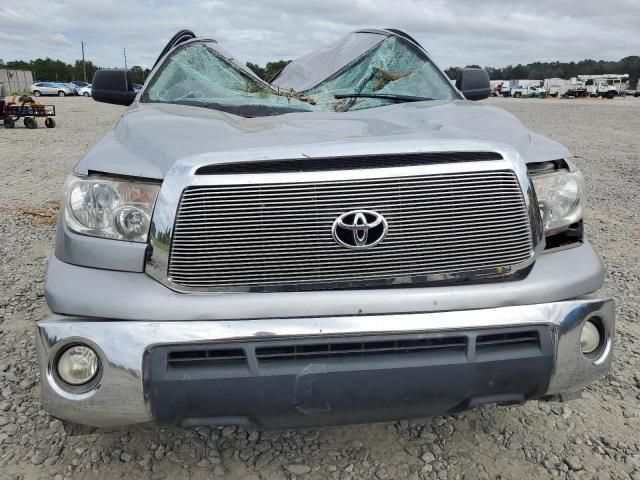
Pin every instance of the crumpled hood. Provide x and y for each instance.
(150, 138)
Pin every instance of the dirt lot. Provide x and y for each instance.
(594, 437)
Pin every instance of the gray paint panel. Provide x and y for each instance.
(81, 291)
(150, 138)
(97, 252)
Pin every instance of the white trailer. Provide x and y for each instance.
(556, 86)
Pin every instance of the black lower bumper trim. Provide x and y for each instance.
(347, 379)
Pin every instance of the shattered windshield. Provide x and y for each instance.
(199, 74)
(392, 69)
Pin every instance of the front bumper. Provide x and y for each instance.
(138, 384)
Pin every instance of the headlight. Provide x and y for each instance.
(561, 197)
(109, 208)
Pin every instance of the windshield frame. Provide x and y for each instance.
(252, 110)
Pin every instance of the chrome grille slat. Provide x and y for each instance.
(253, 220)
(243, 280)
(292, 212)
(299, 248)
(257, 236)
(446, 178)
(208, 276)
(216, 265)
(409, 183)
(225, 273)
(305, 248)
(209, 236)
(474, 221)
(337, 198)
(311, 195)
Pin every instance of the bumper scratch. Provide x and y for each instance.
(306, 397)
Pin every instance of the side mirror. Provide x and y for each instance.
(473, 83)
(113, 86)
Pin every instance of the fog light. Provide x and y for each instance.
(78, 365)
(590, 338)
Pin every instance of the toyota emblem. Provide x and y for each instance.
(359, 229)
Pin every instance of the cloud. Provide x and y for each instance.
(491, 32)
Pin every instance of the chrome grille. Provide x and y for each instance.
(278, 236)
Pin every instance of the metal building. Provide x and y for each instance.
(12, 80)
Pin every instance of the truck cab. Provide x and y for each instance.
(359, 240)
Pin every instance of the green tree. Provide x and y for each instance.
(257, 69)
(452, 72)
(78, 72)
(273, 68)
(137, 74)
(270, 70)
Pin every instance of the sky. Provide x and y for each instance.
(456, 33)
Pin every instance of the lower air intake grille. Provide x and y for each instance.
(322, 351)
(500, 342)
(266, 353)
(206, 357)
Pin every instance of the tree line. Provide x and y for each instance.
(50, 70)
(47, 69)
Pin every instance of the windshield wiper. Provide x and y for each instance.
(395, 98)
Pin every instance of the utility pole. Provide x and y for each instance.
(84, 68)
(125, 58)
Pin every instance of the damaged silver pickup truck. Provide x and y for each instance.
(355, 241)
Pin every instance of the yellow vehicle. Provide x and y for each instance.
(23, 106)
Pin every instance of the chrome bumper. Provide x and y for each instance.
(119, 398)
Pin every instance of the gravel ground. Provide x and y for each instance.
(594, 437)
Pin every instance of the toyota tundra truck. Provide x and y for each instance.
(357, 240)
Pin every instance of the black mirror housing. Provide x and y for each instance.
(473, 83)
(113, 86)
